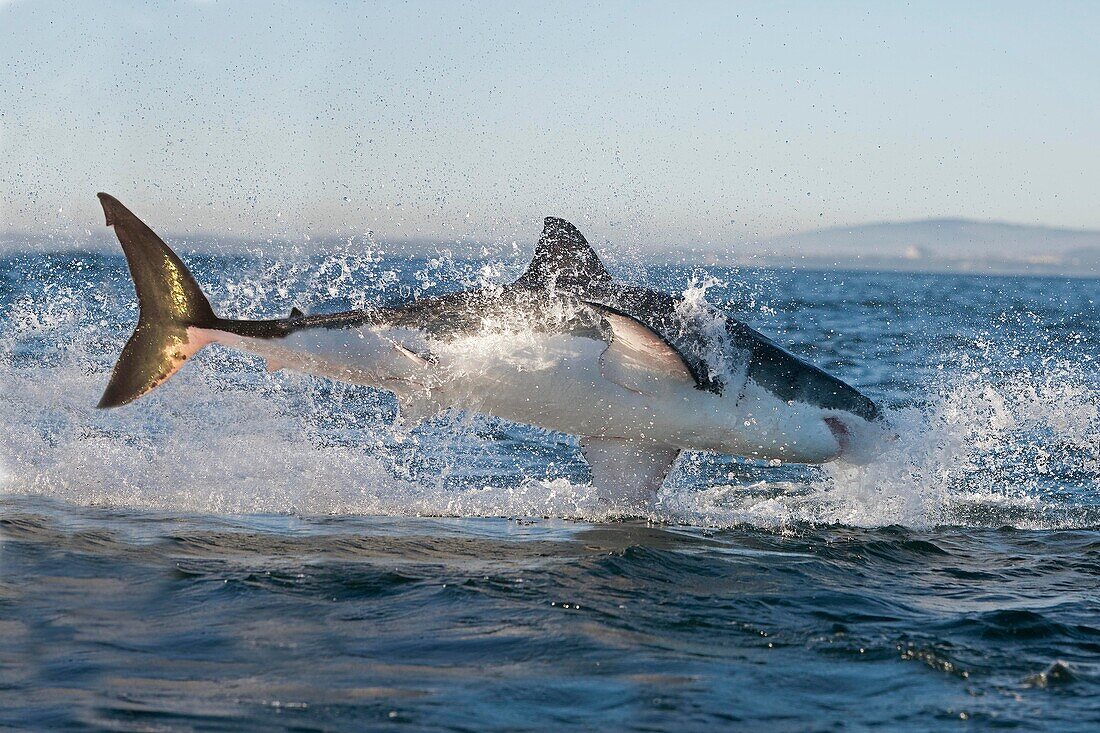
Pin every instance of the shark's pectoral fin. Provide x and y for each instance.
(626, 472)
(638, 358)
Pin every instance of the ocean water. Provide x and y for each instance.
(251, 551)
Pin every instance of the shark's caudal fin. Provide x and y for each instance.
(564, 258)
(169, 301)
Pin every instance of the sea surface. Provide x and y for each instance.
(243, 550)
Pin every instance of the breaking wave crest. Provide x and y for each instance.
(1020, 453)
(978, 446)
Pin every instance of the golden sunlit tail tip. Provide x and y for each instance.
(169, 303)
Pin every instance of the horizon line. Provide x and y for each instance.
(404, 239)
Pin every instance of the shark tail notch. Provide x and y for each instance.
(171, 309)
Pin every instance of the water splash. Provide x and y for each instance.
(698, 315)
(985, 446)
(983, 451)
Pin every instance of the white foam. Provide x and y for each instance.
(225, 437)
(980, 440)
(723, 364)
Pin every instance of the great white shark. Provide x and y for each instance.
(639, 375)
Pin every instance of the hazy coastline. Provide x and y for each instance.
(959, 246)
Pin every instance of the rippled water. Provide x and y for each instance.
(241, 550)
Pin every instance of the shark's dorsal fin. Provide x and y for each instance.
(296, 312)
(564, 258)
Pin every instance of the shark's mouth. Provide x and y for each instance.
(841, 432)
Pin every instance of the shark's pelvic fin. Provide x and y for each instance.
(169, 304)
(628, 473)
(564, 258)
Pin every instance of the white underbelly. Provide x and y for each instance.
(554, 382)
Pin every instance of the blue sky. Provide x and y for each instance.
(648, 123)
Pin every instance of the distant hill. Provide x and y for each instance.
(941, 245)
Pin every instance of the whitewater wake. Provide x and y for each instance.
(981, 446)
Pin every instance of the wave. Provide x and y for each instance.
(984, 446)
(1023, 453)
